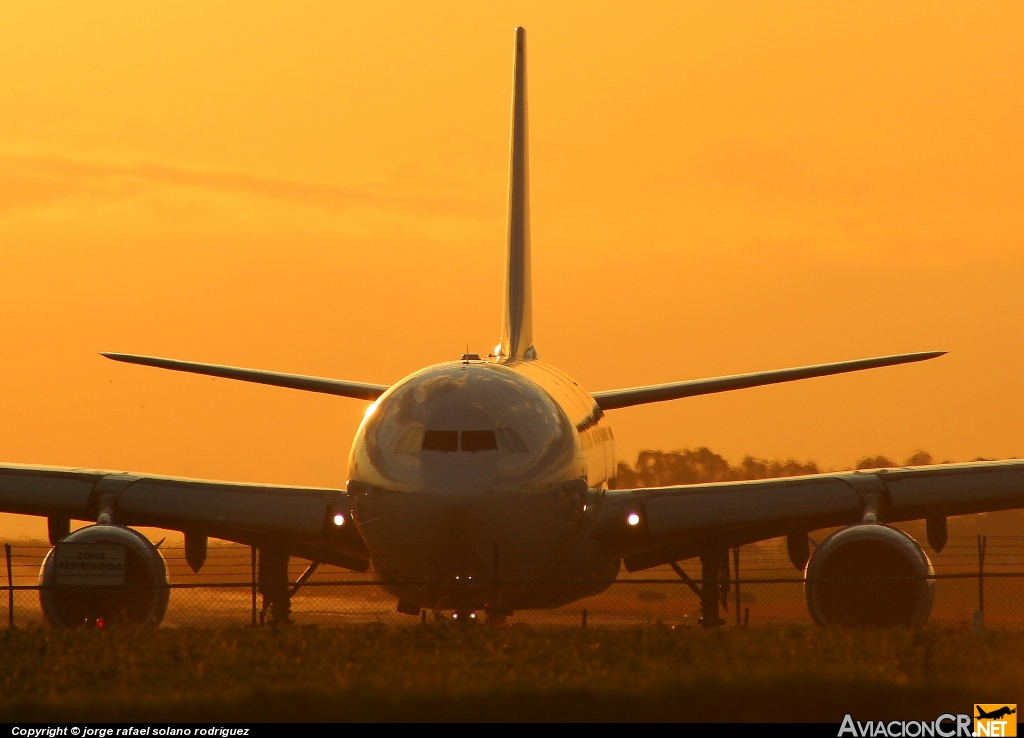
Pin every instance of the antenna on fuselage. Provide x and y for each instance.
(517, 315)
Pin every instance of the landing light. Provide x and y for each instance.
(633, 519)
(339, 520)
(370, 410)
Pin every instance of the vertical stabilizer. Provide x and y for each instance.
(517, 316)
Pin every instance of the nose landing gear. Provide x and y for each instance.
(498, 616)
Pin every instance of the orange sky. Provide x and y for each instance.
(320, 188)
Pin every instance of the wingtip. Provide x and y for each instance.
(126, 358)
(917, 356)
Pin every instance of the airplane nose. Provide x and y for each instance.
(446, 540)
(461, 429)
(462, 469)
(464, 548)
(460, 548)
(458, 475)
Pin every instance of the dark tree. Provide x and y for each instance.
(700, 465)
(875, 462)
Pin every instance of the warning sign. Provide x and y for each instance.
(89, 564)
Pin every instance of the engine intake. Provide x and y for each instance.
(103, 575)
(869, 575)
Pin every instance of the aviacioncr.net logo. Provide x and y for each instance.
(995, 720)
(944, 726)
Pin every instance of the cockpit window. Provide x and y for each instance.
(479, 440)
(410, 442)
(417, 439)
(443, 441)
(510, 441)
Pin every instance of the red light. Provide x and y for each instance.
(99, 622)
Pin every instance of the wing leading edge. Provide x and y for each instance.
(358, 390)
(611, 399)
(301, 517)
(677, 522)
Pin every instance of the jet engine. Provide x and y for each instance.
(869, 575)
(103, 575)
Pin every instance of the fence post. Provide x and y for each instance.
(982, 545)
(253, 551)
(10, 587)
(736, 567)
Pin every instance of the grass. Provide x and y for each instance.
(447, 672)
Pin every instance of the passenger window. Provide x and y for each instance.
(443, 441)
(510, 441)
(473, 441)
(410, 442)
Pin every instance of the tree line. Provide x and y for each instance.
(700, 465)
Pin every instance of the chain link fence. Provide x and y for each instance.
(972, 575)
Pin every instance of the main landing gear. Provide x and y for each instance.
(713, 589)
(273, 585)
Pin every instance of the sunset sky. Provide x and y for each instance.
(320, 188)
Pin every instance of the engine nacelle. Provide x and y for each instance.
(83, 585)
(869, 575)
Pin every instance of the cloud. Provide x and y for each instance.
(41, 180)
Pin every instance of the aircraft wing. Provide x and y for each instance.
(344, 388)
(677, 523)
(300, 517)
(612, 399)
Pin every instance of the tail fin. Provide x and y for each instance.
(517, 316)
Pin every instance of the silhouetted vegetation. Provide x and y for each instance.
(445, 672)
(702, 465)
(696, 466)
(918, 458)
(875, 462)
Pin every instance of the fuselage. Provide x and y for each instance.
(474, 483)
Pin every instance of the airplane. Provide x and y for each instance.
(995, 714)
(488, 485)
